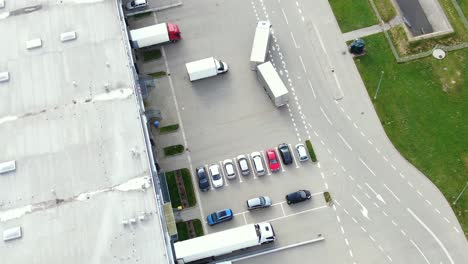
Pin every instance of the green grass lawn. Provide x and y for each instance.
(173, 150)
(352, 15)
(182, 231)
(423, 108)
(198, 227)
(386, 9)
(168, 129)
(464, 6)
(158, 74)
(150, 55)
(188, 186)
(173, 190)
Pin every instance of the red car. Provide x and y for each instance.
(272, 160)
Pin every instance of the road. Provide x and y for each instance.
(385, 210)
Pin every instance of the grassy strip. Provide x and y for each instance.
(158, 74)
(173, 190)
(182, 231)
(198, 227)
(460, 35)
(168, 129)
(142, 15)
(328, 198)
(464, 6)
(386, 9)
(188, 186)
(352, 15)
(150, 55)
(311, 151)
(422, 106)
(173, 150)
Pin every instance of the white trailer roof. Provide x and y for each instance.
(201, 65)
(151, 35)
(272, 79)
(216, 243)
(260, 43)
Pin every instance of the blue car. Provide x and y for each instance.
(219, 217)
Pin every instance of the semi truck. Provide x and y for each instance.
(155, 34)
(272, 83)
(205, 68)
(209, 246)
(260, 44)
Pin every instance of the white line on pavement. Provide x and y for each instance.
(251, 166)
(346, 143)
(221, 170)
(339, 88)
(394, 195)
(294, 40)
(284, 15)
(364, 210)
(293, 156)
(312, 88)
(355, 126)
(342, 230)
(265, 162)
(432, 234)
(282, 209)
(302, 212)
(245, 219)
(303, 65)
(363, 229)
(320, 39)
(367, 167)
(377, 195)
(420, 251)
(328, 119)
(237, 169)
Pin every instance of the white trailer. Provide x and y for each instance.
(155, 34)
(205, 68)
(272, 83)
(260, 44)
(223, 242)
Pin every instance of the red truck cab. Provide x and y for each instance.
(174, 32)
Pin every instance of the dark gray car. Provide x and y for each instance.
(203, 182)
(259, 202)
(298, 196)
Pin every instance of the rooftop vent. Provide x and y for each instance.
(68, 36)
(7, 166)
(12, 233)
(34, 43)
(4, 76)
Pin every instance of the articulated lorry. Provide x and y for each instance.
(154, 35)
(260, 44)
(209, 246)
(205, 68)
(272, 83)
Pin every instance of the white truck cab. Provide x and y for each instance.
(136, 4)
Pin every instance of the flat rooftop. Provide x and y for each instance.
(69, 118)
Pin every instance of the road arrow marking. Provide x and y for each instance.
(364, 210)
(377, 195)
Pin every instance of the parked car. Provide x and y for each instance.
(219, 217)
(301, 152)
(258, 163)
(216, 178)
(229, 169)
(259, 202)
(243, 165)
(298, 196)
(285, 153)
(203, 182)
(134, 4)
(273, 162)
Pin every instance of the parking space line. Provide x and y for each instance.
(209, 176)
(237, 168)
(265, 162)
(293, 155)
(298, 213)
(245, 219)
(251, 166)
(221, 170)
(282, 209)
(283, 169)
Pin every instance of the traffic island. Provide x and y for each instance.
(311, 151)
(328, 198)
(180, 187)
(168, 129)
(189, 229)
(173, 150)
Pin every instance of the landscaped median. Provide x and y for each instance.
(311, 151)
(183, 229)
(173, 150)
(174, 189)
(422, 106)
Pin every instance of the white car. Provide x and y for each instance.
(301, 152)
(215, 174)
(134, 4)
(258, 163)
(243, 165)
(229, 169)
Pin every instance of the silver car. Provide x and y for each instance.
(259, 202)
(243, 165)
(301, 152)
(258, 163)
(229, 169)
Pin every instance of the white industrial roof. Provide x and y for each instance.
(69, 120)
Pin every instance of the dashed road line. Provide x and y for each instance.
(328, 119)
(284, 15)
(294, 40)
(344, 141)
(303, 65)
(313, 91)
(420, 251)
(391, 192)
(367, 167)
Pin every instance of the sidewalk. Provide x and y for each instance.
(364, 32)
(188, 214)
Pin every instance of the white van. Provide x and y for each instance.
(258, 164)
(136, 4)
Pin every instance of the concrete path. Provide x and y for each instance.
(188, 214)
(363, 32)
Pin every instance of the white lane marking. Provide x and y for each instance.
(381, 248)
(346, 143)
(378, 150)
(393, 166)
(346, 241)
(437, 210)
(410, 184)
(394, 223)
(313, 92)
(402, 176)
(346, 211)
(371, 238)
(238, 170)
(376, 205)
(282, 209)
(251, 166)
(351, 177)
(280, 160)
(385, 158)
(367, 167)
(302, 212)
(336, 201)
(363, 229)
(362, 134)
(359, 186)
(394, 195)
(323, 175)
(354, 220)
(303, 65)
(339, 88)
(318, 165)
(428, 202)
(265, 162)
(221, 171)
(343, 168)
(342, 230)
(403, 232)
(294, 40)
(383, 212)
(328, 119)
(350, 252)
(432, 234)
(338, 218)
(320, 39)
(456, 229)
(315, 132)
(355, 126)
(446, 220)
(245, 219)
(420, 251)
(284, 15)
(364, 210)
(368, 196)
(326, 185)
(377, 195)
(329, 151)
(389, 258)
(293, 155)
(323, 143)
(369, 141)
